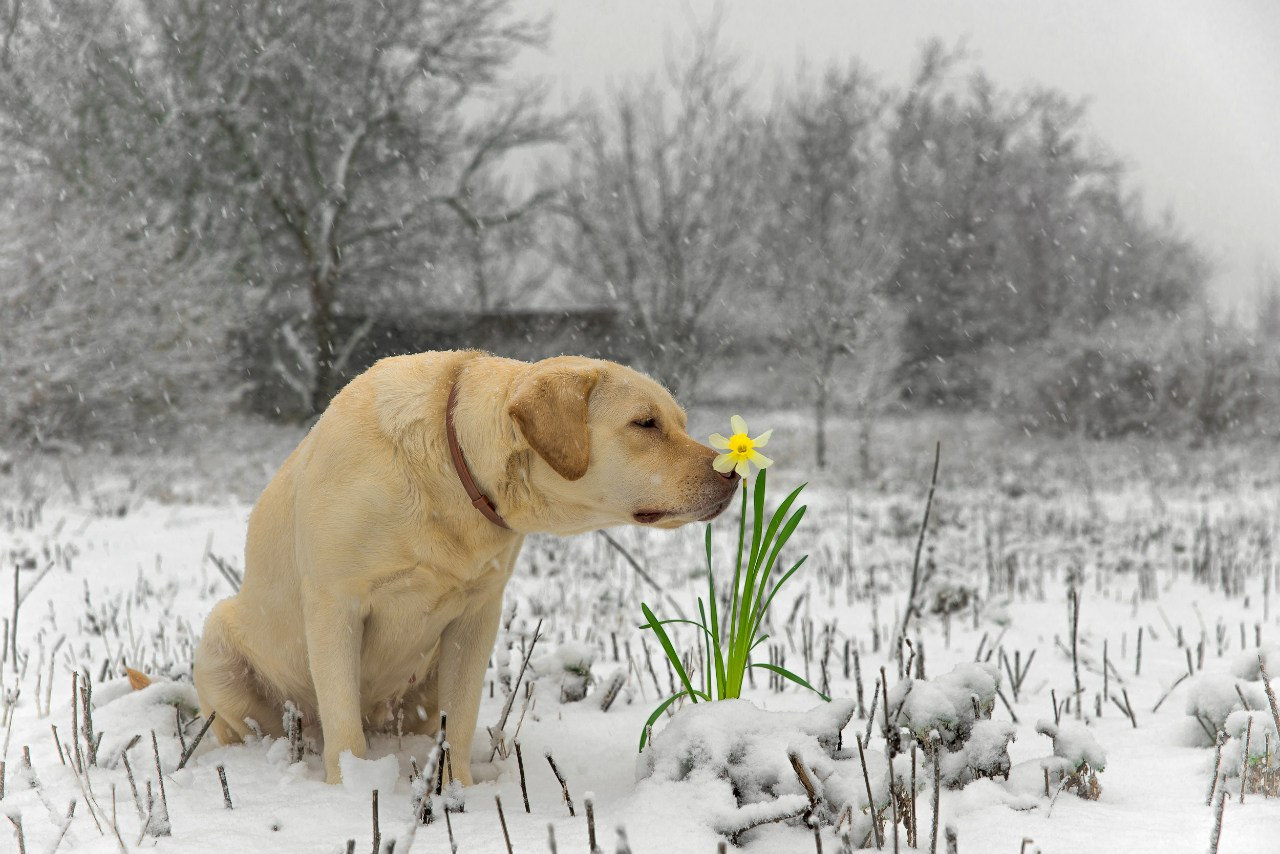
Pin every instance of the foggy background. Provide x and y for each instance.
(1055, 218)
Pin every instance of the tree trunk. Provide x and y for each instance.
(820, 424)
(823, 383)
(864, 445)
(479, 278)
(324, 329)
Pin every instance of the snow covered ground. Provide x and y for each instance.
(112, 578)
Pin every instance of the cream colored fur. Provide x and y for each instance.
(372, 585)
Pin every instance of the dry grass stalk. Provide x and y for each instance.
(226, 793)
(591, 827)
(502, 820)
(91, 741)
(871, 804)
(75, 720)
(1166, 694)
(803, 776)
(133, 785)
(1244, 758)
(164, 800)
(936, 740)
(190, 749)
(1074, 598)
(524, 790)
(16, 821)
(1217, 764)
(1128, 707)
(1216, 832)
(1271, 696)
(564, 787)
(917, 582)
(63, 828)
(506, 707)
(448, 825)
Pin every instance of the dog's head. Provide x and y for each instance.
(609, 447)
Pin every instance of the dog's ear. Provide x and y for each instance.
(549, 405)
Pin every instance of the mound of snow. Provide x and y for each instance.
(950, 703)
(1073, 742)
(565, 672)
(985, 754)
(1245, 665)
(1213, 696)
(361, 776)
(708, 744)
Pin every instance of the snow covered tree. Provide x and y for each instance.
(1013, 225)
(663, 201)
(332, 143)
(833, 250)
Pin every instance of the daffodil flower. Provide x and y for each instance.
(739, 450)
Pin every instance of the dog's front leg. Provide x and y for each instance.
(465, 647)
(334, 636)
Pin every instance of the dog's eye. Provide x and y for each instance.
(646, 424)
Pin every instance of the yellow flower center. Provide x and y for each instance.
(740, 445)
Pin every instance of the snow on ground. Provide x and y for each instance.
(131, 581)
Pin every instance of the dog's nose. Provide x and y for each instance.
(730, 475)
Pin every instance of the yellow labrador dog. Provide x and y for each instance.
(377, 556)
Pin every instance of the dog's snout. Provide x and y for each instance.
(730, 475)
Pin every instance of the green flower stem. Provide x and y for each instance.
(728, 658)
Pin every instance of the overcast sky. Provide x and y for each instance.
(1186, 92)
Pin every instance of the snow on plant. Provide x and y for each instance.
(730, 641)
(1252, 750)
(949, 703)
(1077, 758)
(738, 758)
(984, 754)
(566, 670)
(1213, 696)
(958, 705)
(1246, 665)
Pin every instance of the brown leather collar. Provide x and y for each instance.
(479, 500)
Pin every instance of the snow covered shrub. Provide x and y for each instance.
(565, 671)
(1246, 667)
(949, 703)
(958, 705)
(950, 593)
(1213, 696)
(1252, 749)
(736, 758)
(985, 754)
(1144, 376)
(1077, 758)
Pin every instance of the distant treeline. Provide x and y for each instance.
(214, 203)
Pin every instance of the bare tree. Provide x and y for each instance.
(835, 248)
(332, 141)
(662, 198)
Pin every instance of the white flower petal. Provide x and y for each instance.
(744, 468)
(763, 439)
(718, 441)
(738, 424)
(761, 460)
(723, 463)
